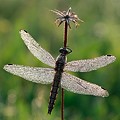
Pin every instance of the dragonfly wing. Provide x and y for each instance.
(77, 85)
(36, 49)
(34, 74)
(89, 64)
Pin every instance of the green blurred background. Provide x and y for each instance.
(98, 35)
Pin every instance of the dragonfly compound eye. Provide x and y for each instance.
(65, 50)
(68, 50)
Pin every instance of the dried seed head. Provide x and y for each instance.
(66, 16)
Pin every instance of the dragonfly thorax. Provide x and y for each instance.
(60, 62)
(61, 59)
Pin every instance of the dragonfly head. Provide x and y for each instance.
(65, 51)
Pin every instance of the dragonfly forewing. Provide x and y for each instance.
(89, 64)
(77, 85)
(34, 74)
(36, 49)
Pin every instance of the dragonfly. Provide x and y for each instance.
(57, 75)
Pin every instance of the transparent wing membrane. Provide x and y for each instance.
(34, 74)
(89, 64)
(36, 49)
(77, 85)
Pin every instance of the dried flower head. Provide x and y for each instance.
(66, 16)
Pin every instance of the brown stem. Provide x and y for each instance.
(65, 34)
(62, 106)
(62, 94)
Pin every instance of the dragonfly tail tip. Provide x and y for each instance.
(49, 112)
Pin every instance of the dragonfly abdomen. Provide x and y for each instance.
(54, 91)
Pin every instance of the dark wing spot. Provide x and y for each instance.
(25, 31)
(109, 55)
(10, 64)
(103, 88)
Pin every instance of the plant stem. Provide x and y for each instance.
(62, 106)
(65, 34)
(62, 94)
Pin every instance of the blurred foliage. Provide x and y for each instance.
(98, 35)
